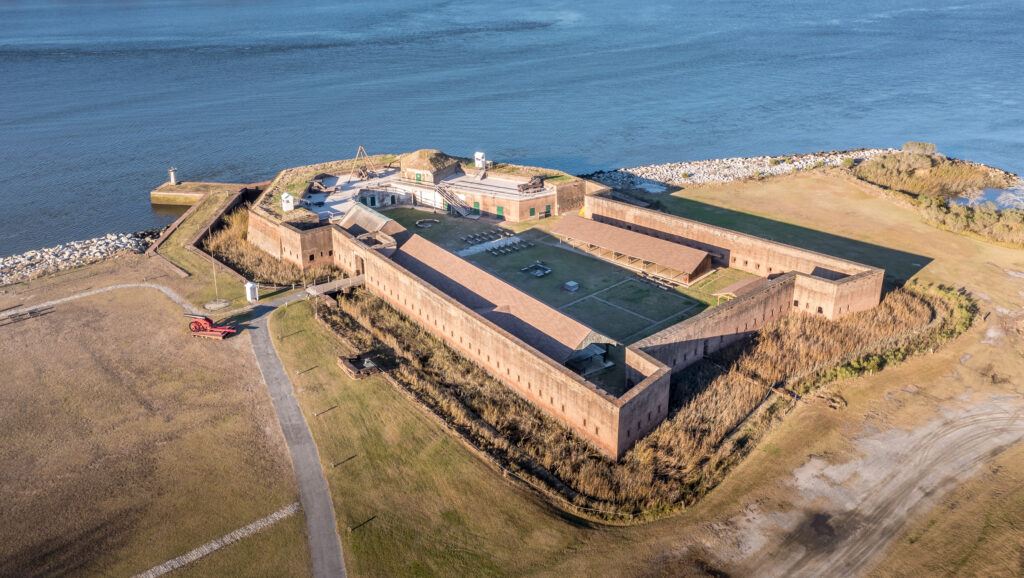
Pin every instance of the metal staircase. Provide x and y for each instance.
(455, 205)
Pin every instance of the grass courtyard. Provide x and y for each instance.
(611, 300)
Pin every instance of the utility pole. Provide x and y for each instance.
(216, 289)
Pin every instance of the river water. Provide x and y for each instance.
(98, 98)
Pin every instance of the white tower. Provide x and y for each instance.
(480, 160)
(287, 202)
(172, 175)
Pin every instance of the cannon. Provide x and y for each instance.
(202, 326)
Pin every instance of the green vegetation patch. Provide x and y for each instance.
(402, 483)
(605, 318)
(592, 274)
(177, 249)
(648, 300)
(448, 232)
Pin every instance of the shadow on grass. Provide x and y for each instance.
(899, 265)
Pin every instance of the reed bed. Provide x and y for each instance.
(721, 406)
(229, 245)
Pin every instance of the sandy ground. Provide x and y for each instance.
(845, 513)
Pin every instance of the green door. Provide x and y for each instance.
(501, 212)
(476, 207)
(533, 211)
(547, 210)
(419, 177)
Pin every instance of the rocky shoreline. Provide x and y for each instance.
(653, 178)
(32, 264)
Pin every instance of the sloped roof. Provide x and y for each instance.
(546, 329)
(362, 219)
(427, 160)
(637, 245)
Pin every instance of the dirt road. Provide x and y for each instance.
(845, 514)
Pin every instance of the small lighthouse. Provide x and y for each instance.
(172, 175)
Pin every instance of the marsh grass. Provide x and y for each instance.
(929, 174)
(229, 245)
(721, 406)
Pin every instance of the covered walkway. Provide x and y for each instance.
(662, 260)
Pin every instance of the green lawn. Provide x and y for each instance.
(606, 319)
(424, 504)
(202, 288)
(648, 300)
(592, 275)
(448, 233)
(704, 289)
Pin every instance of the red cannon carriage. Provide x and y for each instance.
(202, 326)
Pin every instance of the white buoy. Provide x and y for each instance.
(172, 175)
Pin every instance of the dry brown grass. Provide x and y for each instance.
(683, 458)
(230, 246)
(127, 442)
(932, 175)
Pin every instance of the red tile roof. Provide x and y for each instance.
(546, 329)
(637, 245)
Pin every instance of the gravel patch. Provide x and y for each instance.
(652, 177)
(32, 264)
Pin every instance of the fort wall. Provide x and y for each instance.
(592, 413)
(727, 247)
(687, 342)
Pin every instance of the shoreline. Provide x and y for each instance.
(654, 176)
(30, 265)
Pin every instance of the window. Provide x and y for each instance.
(597, 431)
(533, 211)
(310, 256)
(796, 303)
(820, 310)
(563, 408)
(330, 252)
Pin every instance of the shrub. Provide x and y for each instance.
(932, 175)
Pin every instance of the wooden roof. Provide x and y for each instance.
(546, 329)
(637, 245)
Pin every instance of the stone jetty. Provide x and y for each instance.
(653, 178)
(32, 264)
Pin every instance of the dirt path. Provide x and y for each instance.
(170, 293)
(847, 513)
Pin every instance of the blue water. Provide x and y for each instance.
(97, 98)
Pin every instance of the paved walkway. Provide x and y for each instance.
(225, 540)
(314, 493)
